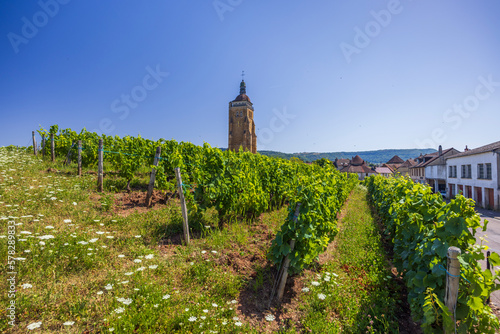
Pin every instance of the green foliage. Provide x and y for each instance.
(234, 184)
(322, 162)
(422, 227)
(321, 193)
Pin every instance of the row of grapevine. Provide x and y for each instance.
(321, 194)
(422, 226)
(235, 184)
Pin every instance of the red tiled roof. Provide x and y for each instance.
(408, 163)
(486, 148)
(395, 160)
(433, 156)
(358, 169)
(383, 170)
(357, 161)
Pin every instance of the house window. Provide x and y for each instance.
(466, 171)
(480, 171)
(453, 171)
(488, 171)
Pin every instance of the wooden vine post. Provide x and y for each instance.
(52, 148)
(185, 225)
(68, 156)
(79, 158)
(43, 145)
(100, 155)
(152, 177)
(452, 281)
(34, 142)
(489, 268)
(286, 263)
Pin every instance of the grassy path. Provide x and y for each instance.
(354, 291)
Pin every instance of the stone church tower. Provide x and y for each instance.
(241, 125)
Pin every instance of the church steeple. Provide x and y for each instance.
(241, 124)
(243, 87)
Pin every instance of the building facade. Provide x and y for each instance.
(358, 166)
(436, 172)
(476, 174)
(404, 169)
(417, 172)
(241, 124)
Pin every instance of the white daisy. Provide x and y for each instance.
(119, 310)
(127, 301)
(321, 296)
(166, 297)
(34, 325)
(270, 317)
(26, 286)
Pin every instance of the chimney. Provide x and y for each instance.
(440, 150)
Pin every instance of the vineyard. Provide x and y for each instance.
(243, 184)
(254, 220)
(422, 227)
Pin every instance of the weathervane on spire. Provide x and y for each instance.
(242, 75)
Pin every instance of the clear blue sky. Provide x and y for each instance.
(355, 75)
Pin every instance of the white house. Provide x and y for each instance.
(435, 169)
(476, 174)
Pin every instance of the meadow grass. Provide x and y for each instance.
(353, 291)
(84, 266)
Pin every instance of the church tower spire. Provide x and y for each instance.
(243, 87)
(241, 124)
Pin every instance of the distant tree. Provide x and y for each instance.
(322, 162)
(296, 159)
